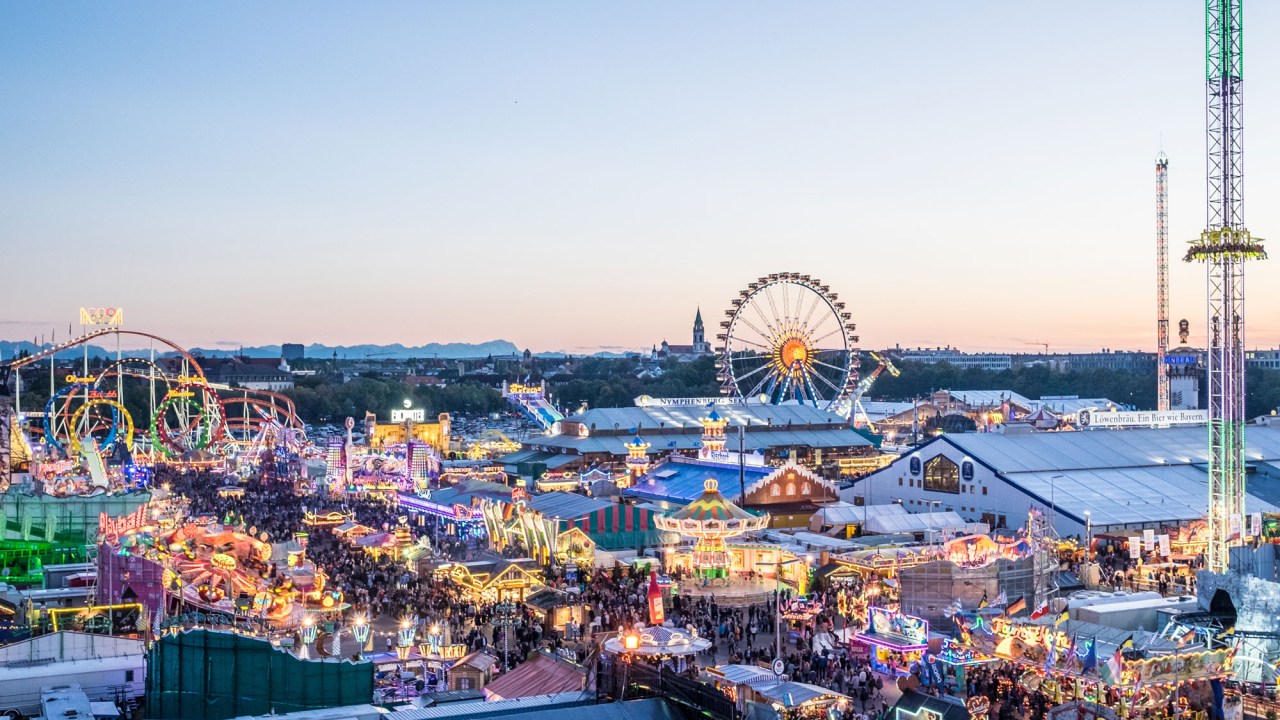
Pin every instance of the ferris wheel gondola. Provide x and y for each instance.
(788, 338)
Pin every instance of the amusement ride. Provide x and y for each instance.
(787, 337)
(85, 441)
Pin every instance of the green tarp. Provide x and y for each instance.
(213, 675)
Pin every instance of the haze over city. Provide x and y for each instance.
(583, 176)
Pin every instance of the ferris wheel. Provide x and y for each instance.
(788, 338)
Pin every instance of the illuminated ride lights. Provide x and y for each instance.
(788, 337)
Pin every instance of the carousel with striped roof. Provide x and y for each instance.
(711, 519)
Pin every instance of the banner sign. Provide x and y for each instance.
(647, 401)
(1140, 418)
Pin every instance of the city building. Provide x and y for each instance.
(293, 351)
(1067, 407)
(699, 348)
(252, 373)
(1134, 361)
(949, 411)
(1110, 479)
(1262, 359)
(932, 356)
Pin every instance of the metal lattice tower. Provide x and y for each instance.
(1224, 247)
(1162, 280)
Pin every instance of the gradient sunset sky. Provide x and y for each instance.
(582, 175)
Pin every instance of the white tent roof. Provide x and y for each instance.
(989, 398)
(846, 513)
(914, 523)
(1120, 476)
(877, 410)
(1072, 405)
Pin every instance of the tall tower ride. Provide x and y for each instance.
(1224, 246)
(1162, 280)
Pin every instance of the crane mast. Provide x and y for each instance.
(1224, 247)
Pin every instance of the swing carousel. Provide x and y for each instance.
(711, 519)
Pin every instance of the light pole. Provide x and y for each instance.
(504, 617)
(1088, 536)
(404, 638)
(777, 604)
(309, 632)
(1053, 501)
(360, 631)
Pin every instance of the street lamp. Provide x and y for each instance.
(360, 631)
(505, 618)
(433, 641)
(309, 632)
(777, 606)
(405, 638)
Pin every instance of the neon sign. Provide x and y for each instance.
(101, 316)
(191, 379)
(77, 380)
(117, 526)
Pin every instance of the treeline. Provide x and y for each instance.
(920, 379)
(601, 382)
(324, 400)
(1128, 388)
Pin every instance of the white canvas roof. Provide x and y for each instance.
(1120, 476)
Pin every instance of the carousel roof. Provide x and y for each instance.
(711, 514)
(711, 505)
(660, 640)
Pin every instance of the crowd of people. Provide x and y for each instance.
(612, 599)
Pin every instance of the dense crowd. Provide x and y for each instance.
(612, 599)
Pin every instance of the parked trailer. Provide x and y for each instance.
(106, 679)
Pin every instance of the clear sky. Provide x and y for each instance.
(578, 176)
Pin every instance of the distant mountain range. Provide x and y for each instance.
(452, 351)
(447, 351)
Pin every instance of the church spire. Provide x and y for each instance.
(700, 345)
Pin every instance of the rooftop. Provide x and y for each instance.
(988, 398)
(755, 438)
(542, 674)
(683, 479)
(1120, 476)
(563, 505)
(630, 420)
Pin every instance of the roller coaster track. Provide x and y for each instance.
(7, 367)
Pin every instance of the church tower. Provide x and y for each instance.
(700, 345)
